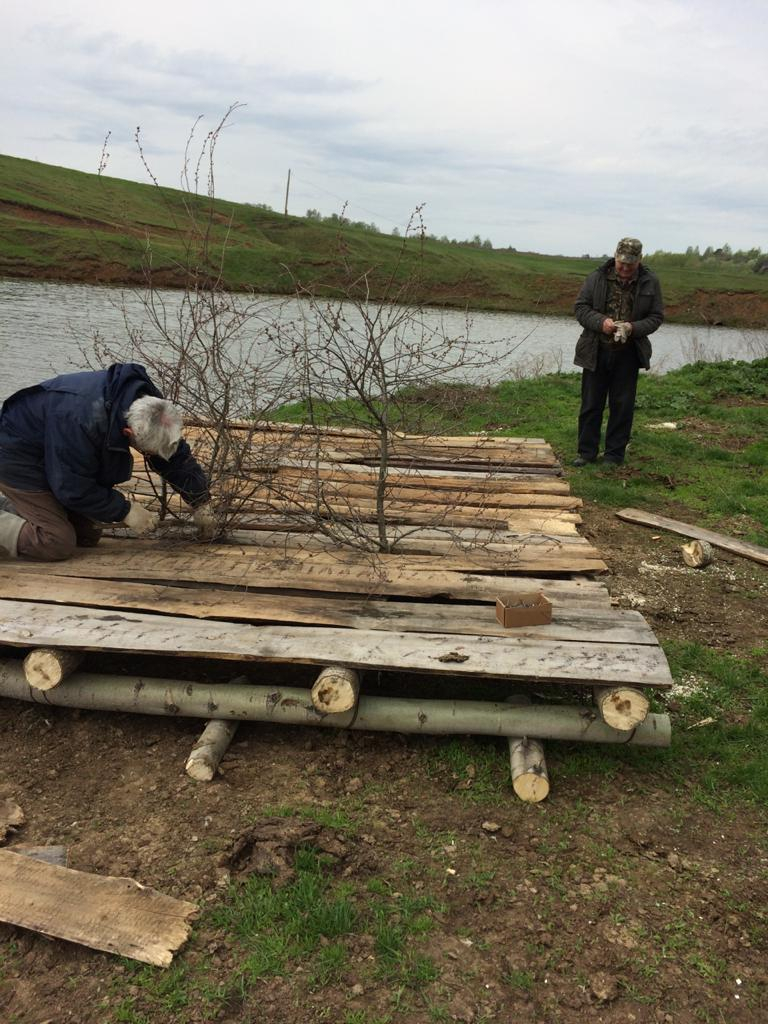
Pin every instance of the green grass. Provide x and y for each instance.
(278, 925)
(60, 223)
(475, 767)
(335, 818)
(714, 463)
(723, 760)
(309, 922)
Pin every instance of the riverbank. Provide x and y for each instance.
(62, 225)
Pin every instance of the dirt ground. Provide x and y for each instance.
(620, 899)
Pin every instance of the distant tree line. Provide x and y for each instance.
(476, 242)
(754, 259)
(750, 259)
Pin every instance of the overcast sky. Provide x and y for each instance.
(553, 126)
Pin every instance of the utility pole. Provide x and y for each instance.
(287, 187)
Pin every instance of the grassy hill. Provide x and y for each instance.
(62, 224)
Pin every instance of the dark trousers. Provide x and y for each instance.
(615, 379)
(51, 533)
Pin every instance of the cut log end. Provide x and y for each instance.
(336, 689)
(697, 554)
(530, 779)
(621, 707)
(531, 787)
(203, 763)
(46, 667)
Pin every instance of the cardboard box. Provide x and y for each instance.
(524, 610)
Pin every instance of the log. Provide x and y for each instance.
(621, 707)
(530, 779)
(207, 753)
(46, 667)
(528, 767)
(719, 540)
(697, 554)
(336, 689)
(292, 706)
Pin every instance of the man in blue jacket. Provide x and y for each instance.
(618, 306)
(64, 444)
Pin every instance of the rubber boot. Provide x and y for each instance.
(10, 528)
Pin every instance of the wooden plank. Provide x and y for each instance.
(402, 453)
(358, 510)
(433, 504)
(428, 541)
(520, 497)
(329, 579)
(570, 621)
(502, 450)
(557, 522)
(720, 540)
(487, 479)
(478, 466)
(241, 564)
(117, 915)
(268, 428)
(409, 480)
(425, 540)
(25, 624)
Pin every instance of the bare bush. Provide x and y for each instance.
(365, 364)
(372, 365)
(218, 355)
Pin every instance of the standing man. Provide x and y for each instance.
(618, 306)
(64, 444)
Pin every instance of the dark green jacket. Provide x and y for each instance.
(647, 315)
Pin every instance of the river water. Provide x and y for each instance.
(47, 328)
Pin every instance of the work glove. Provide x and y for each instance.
(206, 522)
(140, 521)
(621, 331)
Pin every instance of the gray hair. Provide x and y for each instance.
(156, 424)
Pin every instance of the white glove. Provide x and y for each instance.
(140, 521)
(205, 521)
(621, 331)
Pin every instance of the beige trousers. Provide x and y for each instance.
(50, 533)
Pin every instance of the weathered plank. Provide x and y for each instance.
(411, 499)
(403, 482)
(571, 619)
(246, 566)
(266, 429)
(485, 479)
(278, 512)
(720, 540)
(422, 541)
(25, 624)
(117, 915)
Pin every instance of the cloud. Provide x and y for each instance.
(537, 125)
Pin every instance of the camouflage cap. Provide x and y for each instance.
(629, 250)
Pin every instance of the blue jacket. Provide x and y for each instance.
(66, 436)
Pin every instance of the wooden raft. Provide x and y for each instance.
(474, 518)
